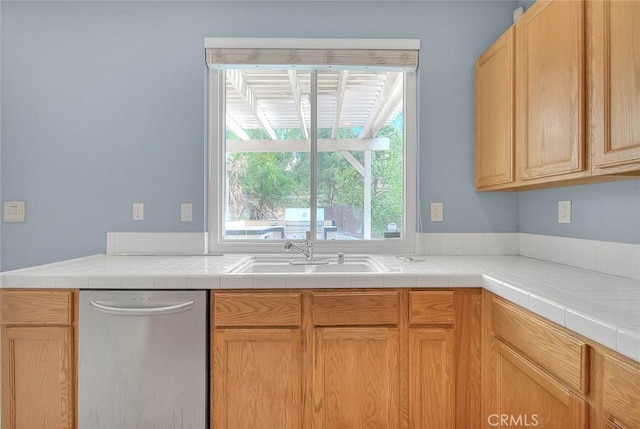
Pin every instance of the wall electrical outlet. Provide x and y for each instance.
(14, 211)
(564, 211)
(437, 212)
(138, 211)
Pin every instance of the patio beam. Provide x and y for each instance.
(301, 145)
(342, 85)
(389, 93)
(295, 90)
(239, 83)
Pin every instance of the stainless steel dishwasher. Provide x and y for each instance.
(142, 360)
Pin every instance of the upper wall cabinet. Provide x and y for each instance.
(495, 114)
(550, 90)
(576, 99)
(614, 67)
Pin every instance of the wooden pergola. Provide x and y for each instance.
(270, 100)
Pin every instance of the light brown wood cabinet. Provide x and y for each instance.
(344, 358)
(536, 370)
(620, 392)
(256, 378)
(575, 99)
(550, 100)
(535, 374)
(615, 87)
(495, 114)
(38, 359)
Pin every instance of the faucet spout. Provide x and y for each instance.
(305, 248)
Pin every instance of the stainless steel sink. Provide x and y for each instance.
(278, 264)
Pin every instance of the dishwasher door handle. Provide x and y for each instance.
(113, 308)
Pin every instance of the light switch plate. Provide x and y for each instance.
(186, 212)
(14, 211)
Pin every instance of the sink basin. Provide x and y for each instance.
(282, 265)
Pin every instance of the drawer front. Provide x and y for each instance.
(563, 356)
(355, 308)
(621, 391)
(257, 309)
(37, 307)
(431, 308)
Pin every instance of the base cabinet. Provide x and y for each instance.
(432, 381)
(38, 355)
(356, 378)
(526, 395)
(366, 359)
(256, 378)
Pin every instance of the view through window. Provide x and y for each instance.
(291, 144)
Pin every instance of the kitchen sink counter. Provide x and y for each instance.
(601, 307)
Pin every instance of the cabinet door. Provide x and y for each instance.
(549, 89)
(527, 396)
(432, 378)
(256, 379)
(356, 378)
(495, 113)
(37, 378)
(615, 103)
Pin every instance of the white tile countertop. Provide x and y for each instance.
(602, 307)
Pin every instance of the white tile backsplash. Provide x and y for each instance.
(148, 243)
(619, 259)
(471, 244)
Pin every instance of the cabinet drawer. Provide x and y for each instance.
(355, 308)
(431, 308)
(37, 307)
(621, 392)
(563, 356)
(256, 309)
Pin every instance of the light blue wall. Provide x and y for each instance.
(102, 106)
(609, 211)
(606, 211)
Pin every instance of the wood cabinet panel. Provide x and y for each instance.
(257, 309)
(356, 378)
(528, 396)
(257, 379)
(37, 377)
(495, 114)
(621, 392)
(615, 86)
(550, 98)
(563, 356)
(432, 308)
(38, 307)
(432, 381)
(355, 308)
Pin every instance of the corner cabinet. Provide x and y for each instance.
(392, 358)
(615, 86)
(38, 359)
(575, 97)
(535, 374)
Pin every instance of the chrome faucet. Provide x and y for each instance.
(306, 250)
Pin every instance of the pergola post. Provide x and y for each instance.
(367, 194)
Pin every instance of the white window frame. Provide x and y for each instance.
(215, 103)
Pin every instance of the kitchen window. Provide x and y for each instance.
(312, 138)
